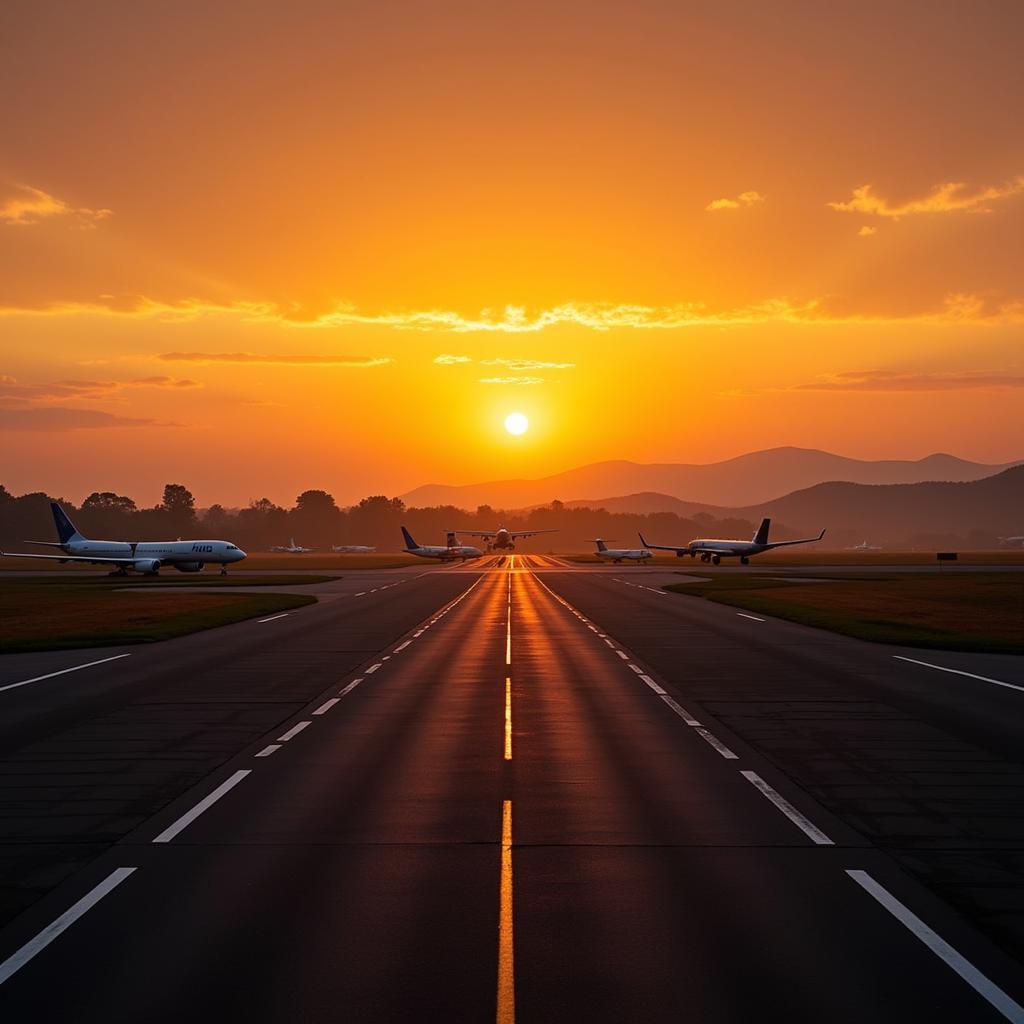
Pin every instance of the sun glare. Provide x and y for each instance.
(516, 423)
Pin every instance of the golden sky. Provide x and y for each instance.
(268, 246)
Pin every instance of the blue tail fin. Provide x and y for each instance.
(409, 542)
(601, 546)
(761, 537)
(65, 528)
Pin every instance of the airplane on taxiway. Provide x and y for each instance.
(502, 539)
(142, 556)
(445, 553)
(290, 548)
(864, 546)
(619, 555)
(714, 550)
(353, 549)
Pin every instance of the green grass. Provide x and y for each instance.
(54, 614)
(104, 580)
(961, 612)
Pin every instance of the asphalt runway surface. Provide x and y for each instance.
(511, 790)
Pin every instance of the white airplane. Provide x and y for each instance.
(1011, 540)
(502, 539)
(142, 556)
(864, 546)
(291, 549)
(713, 550)
(446, 553)
(352, 549)
(619, 554)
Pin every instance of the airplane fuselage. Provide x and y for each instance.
(148, 556)
(445, 554)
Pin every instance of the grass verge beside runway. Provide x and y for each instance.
(50, 614)
(962, 612)
(794, 556)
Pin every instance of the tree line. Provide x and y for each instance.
(317, 521)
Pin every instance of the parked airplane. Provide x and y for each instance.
(1011, 540)
(618, 554)
(446, 553)
(502, 539)
(713, 550)
(142, 556)
(290, 549)
(352, 549)
(864, 546)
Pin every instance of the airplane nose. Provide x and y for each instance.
(239, 555)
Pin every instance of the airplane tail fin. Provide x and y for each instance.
(761, 537)
(601, 546)
(66, 531)
(409, 542)
(453, 540)
(642, 541)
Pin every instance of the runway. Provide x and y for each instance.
(509, 790)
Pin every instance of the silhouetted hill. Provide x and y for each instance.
(744, 480)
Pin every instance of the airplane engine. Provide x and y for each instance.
(189, 566)
(149, 565)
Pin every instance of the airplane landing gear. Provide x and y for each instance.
(744, 560)
(716, 559)
(224, 569)
(118, 572)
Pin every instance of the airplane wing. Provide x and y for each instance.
(662, 547)
(806, 540)
(477, 533)
(530, 533)
(70, 558)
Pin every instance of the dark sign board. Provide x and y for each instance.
(946, 556)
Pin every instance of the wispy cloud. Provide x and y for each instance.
(526, 364)
(280, 360)
(450, 360)
(27, 205)
(867, 231)
(948, 197)
(64, 390)
(957, 308)
(513, 380)
(743, 199)
(909, 380)
(59, 418)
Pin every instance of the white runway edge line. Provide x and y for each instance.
(803, 823)
(268, 750)
(274, 617)
(743, 615)
(205, 804)
(345, 691)
(326, 706)
(62, 672)
(36, 945)
(293, 732)
(988, 990)
(960, 672)
(715, 742)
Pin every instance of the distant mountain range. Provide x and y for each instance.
(747, 480)
(889, 513)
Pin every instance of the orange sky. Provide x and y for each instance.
(664, 231)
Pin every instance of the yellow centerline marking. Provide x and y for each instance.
(508, 718)
(506, 976)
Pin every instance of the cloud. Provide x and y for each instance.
(280, 360)
(957, 308)
(31, 205)
(743, 199)
(512, 380)
(906, 380)
(526, 364)
(866, 231)
(165, 382)
(449, 360)
(63, 390)
(948, 197)
(56, 418)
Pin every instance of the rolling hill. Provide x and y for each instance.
(746, 480)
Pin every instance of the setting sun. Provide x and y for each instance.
(516, 423)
